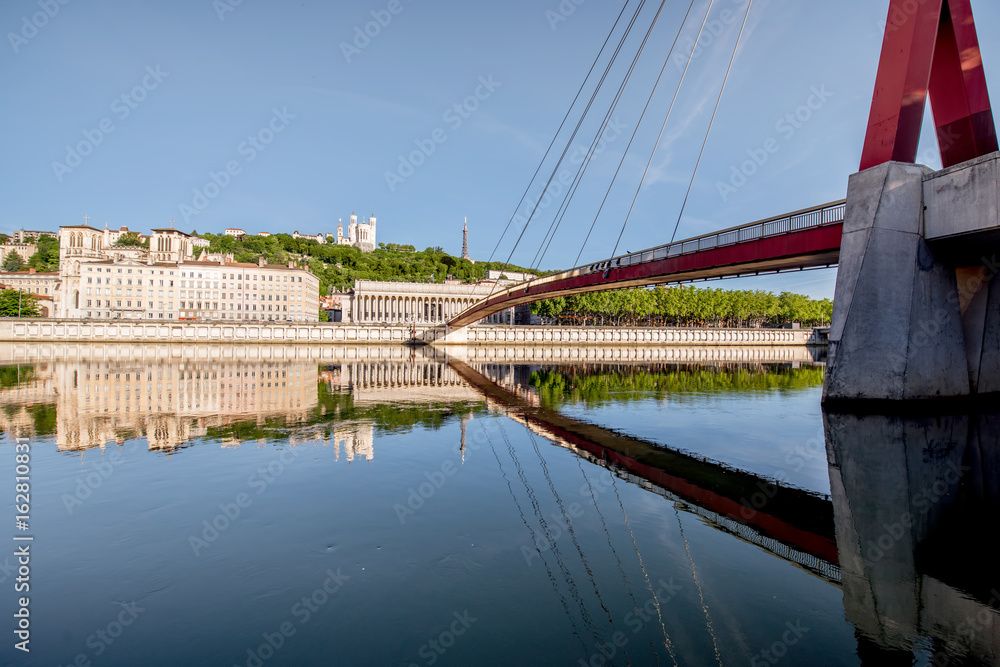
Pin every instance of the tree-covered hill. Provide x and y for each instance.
(339, 266)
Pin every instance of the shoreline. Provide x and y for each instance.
(14, 330)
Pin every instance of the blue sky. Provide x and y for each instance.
(165, 95)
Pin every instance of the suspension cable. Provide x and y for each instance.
(573, 136)
(561, 125)
(593, 96)
(714, 113)
(663, 128)
(669, 111)
(564, 206)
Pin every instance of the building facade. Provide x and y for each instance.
(191, 290)
(30, 235)
(378, 302)
(44, 286)
(25, 250)
(165, 282)
(360, 235)
(318, 238)
(513, 276)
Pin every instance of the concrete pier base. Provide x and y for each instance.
(914, 499)
(917, 306)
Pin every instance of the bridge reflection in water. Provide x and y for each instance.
(905, 532)
(913, 499)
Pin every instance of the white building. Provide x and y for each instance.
(513, 276)
(373, 301)
(166, 283)
(318, 238)
(360, 235)
(238, 233)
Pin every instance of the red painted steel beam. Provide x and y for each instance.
(810, 248)
(960, 99)
(930, 47)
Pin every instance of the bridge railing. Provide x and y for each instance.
(810, 218)
(820, 216)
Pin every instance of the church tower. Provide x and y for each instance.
(465, 241)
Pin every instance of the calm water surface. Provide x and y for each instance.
(369, 506)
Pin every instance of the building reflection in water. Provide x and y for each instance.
(92, 396)
(168, 401)
(916, 502)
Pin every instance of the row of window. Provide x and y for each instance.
(29, 290)
(239, 276)
(139, 271)
(246, 297)
(103, 315)
(197, 305)
(128, 281)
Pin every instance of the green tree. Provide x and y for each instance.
(46, 257)
(131, 240)
(14, 303)
(13, 262)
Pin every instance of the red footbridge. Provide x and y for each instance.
(805, 239)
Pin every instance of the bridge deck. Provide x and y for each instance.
(804, 239)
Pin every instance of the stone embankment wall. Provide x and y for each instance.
(541, 335)
(47, 330)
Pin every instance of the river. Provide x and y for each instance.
(266, 505)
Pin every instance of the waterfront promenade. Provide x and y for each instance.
(48, 330)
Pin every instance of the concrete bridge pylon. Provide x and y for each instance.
(917, 303)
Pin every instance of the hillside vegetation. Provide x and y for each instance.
(339, 266)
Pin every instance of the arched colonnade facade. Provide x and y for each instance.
(375, 302)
